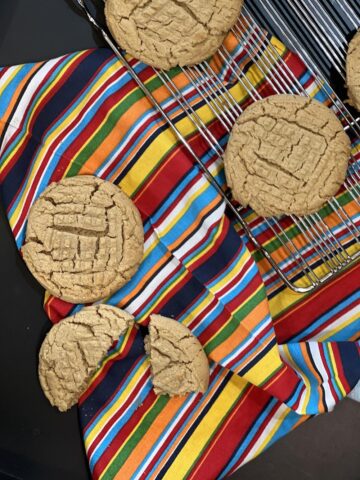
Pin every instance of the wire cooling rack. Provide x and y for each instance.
(311, 249)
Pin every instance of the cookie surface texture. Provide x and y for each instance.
(287, 154)
(167, 33)
(178, 362)
(73, 349)
(353, 71)
(84, 239)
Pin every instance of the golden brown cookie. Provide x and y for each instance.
(73, 349)
(84, 239)
(287, 154)
(167, 33)
(353, 71)
(178, 362)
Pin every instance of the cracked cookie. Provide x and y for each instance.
(353, 71)
(73, 349)
(287, 154)
(84, 239)
(167, 33)
(178, 362)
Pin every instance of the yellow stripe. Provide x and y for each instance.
(152, 307)
(208, 247)
(336, 373)
(101, 422)
(232, 313)
(235, 270)
(205, 430)
(290, 360)
(265, 367)
(184, 208)
(44, 148)
(16, 70)
(334, 331)
(277, 425)
(124, 443)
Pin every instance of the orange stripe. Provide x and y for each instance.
(112, 140)
(316, 375)
(147, 441)
(218, 433)
(195, 225)
(180, 436)
(310, 298)
(246, 326)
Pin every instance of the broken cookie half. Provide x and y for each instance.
(178, 362)
(73, 349)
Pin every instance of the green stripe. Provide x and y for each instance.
(293, 232)
(236, 320)
(141, 429)
(108, 126)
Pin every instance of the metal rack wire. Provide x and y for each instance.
(311, 249)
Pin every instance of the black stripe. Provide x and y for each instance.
(193, 427)
(18, 99)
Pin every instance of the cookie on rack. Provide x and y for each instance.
(287, 154)
(178, 362)
(168, 33)
(353, 71)
(73, 349)
(84, 239)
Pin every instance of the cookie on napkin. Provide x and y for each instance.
(73, 349)
(84, 239)
(178, 362)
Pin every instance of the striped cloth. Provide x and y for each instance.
(273, 364)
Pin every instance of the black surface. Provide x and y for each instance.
(37, 442)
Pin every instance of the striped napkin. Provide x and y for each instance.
(273, 364)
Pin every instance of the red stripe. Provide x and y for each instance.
(339, 366)
(283, 384)
(3, 70)
(125, 431)
(257, 340)
(130, 399)
(97, 381)
(230, 435)
(16, 157)
(298, 319)
(48, 155)
(323, 327)
(210, 253)
(329, 379)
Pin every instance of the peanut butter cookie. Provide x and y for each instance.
(178, 362)
(167, 33)
(84, 239)
(287, 154)
(73, 349)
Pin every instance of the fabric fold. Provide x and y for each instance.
(83, 114)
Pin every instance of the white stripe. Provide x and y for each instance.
(329, 398)
(263, 439)
(41, 154)
(7, 75)
(257, 331)
(336, 324)
(198, 236)
(108, 419)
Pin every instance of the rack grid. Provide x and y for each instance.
(310, 249)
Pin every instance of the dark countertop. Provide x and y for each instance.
(36, 441)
